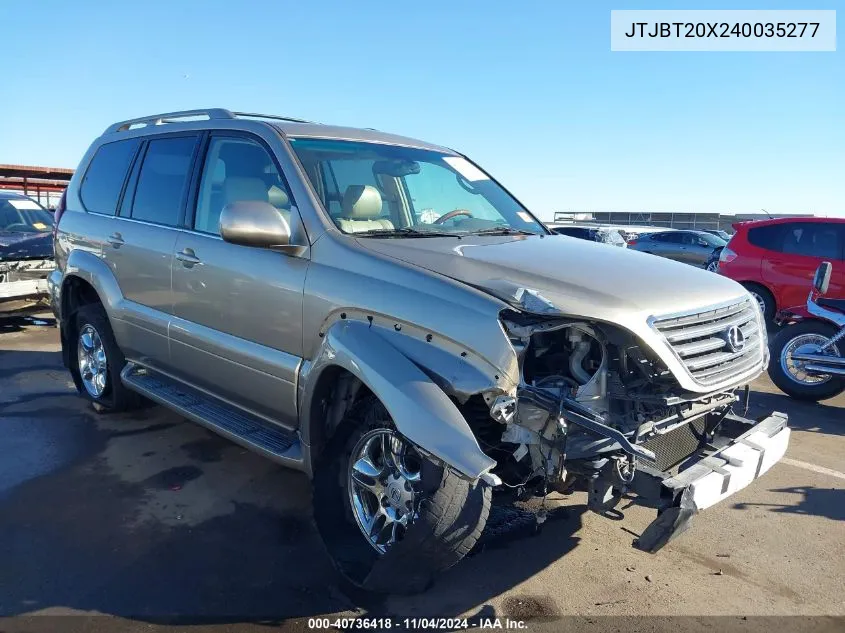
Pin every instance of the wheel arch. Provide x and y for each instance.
(355, 358)
(86, 279)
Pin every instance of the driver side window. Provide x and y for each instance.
(435, 191)
(237, 169)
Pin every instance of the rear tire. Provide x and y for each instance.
(451, 514)
(785, 381)
(764, 298)
(96, 362)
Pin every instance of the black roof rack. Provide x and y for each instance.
(207, 113)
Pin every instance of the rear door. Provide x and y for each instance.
(139, 247)
(238, 326)
(797, 252)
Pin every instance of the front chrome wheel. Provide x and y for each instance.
(713, 266)
(384, 475)
(810, 343)
(92, 361)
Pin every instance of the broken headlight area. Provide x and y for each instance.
(25, 269)
(592, 405)
(24, 279)
(597, 411)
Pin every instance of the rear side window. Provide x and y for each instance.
(163, 180)
(809, 239)
(104, 178)
(672, 237)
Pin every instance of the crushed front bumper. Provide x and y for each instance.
(27, 289)
(739, 453)
(25, 279)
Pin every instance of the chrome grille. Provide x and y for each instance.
(706, 342)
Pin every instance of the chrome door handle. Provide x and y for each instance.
(116, 240)
(188, 258)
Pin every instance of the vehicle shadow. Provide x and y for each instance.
(146, 516)
(19, 320)
(820, 502)
(820, 417)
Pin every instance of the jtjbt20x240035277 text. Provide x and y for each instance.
(723, 29)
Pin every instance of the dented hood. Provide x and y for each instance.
(554, 273)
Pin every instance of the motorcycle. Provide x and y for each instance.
(807, 360)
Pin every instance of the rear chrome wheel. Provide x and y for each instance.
(384, 475)
(92, 361)
(713, 266)
(99, 360)
(791, 375)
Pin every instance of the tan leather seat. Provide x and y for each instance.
(361, 208)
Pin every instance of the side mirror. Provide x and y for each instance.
(821, 280)
(254, 223)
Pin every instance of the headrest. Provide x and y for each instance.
(361, 202)
(239, 189)
(278, 198)
(243, 159)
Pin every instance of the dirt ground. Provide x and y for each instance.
(148, 518)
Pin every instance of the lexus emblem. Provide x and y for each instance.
(735, 339)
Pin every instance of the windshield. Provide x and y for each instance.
(713, 240)
(389, 190)
(22, 215)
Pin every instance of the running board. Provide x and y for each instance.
(249, 431)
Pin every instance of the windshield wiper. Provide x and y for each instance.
(406, 232)
(503, 230)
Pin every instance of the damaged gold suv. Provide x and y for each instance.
(380, 313)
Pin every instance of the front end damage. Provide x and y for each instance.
(25, 279)
(596, 410)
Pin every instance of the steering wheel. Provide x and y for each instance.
(452, 214)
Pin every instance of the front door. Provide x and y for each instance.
(238, 326)
(697, 250)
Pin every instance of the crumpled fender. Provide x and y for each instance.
(420, 409)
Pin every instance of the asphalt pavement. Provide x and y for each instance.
(145, 518)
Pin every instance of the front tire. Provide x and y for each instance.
(96, 362)
(788, 374)
(435, 521)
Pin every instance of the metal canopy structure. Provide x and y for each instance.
(44, 184)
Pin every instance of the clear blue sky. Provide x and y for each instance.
(530, 90)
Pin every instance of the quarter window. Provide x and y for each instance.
(163, 180)
(237, 169)
(104, 177)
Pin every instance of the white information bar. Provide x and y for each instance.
(727, 30)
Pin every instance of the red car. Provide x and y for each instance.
(776, 259)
